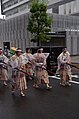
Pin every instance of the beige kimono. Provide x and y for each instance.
(19, 81)
(29, 65)
(41, 73)
(3, 68)
(63, 68)
(21, 75)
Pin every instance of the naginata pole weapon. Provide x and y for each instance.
(73, 66)
(34, 77)
(3, 67)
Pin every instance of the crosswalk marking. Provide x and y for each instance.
(75, 76)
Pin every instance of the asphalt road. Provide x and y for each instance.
(57, 103)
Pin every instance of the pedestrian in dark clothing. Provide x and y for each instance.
(6, 51)
(51, 63)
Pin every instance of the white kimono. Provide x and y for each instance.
(64, 58)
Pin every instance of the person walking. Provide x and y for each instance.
(41, 73)
(64, 68)
(51, 62)
(29, 65)
(6, 51)
(3, 67)
(18, 77)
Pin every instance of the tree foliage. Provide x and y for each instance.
(39, 21)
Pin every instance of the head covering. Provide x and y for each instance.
(19, 50)
(41, 49)
(12, 50)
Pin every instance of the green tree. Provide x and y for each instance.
(39, 21)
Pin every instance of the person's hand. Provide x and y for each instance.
(43, 66)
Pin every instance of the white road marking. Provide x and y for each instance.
(75, 82)
(54, 77)
(75, 76)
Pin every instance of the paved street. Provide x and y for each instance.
(58, 103)
(49, 27)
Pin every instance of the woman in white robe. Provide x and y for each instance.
(19, 81)
(41, 73)
(64, 68)
(3, 67)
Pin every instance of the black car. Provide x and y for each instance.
(51, 63)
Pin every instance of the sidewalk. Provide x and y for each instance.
(75, 62)
(75, 59)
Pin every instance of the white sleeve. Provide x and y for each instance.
(6, 60)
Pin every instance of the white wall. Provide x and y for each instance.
(77, 4)
(61, 9)
(49, 10)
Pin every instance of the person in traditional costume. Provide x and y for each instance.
(3, 67)
(64, 68)
(19, 82)
(41, 73)
(22, 75)
(29, 65)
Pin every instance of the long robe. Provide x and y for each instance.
(41, 73)
(19, 81)
(29, 65)
(63, 68)
(3, 68)
(21, 75)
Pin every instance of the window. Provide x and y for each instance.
(74, 9)
(69, 8)
(65, 9)
(23, 7)
(9, 3)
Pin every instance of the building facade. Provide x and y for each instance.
(12, 8)
(13, 30)
(64, 7)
